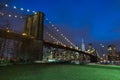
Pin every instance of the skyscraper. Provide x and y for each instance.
(83, 45)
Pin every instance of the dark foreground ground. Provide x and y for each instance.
(59, 72)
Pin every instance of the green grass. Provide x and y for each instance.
(59, 72)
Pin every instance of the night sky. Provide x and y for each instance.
(93, 20)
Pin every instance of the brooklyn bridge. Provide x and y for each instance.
(36, 37)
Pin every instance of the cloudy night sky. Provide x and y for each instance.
(93, 20)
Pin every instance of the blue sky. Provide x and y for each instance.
(93, 20)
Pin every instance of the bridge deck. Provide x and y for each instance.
(4, 33)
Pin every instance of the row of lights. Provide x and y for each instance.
(59, 31)
(28, 10)
(22, 9)
(55, 39)
(8, 30)
(15, 16)
(52, 37)
(9, 15)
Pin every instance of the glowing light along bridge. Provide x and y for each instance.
(9, 34)
(36, 34)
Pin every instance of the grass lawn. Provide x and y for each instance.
(59, 72)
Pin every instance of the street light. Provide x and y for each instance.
(24, 34)
(8, 30)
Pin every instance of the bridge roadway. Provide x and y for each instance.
(8, 34)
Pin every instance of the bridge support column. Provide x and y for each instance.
(34, 28)
(38, 49)
(32, 50)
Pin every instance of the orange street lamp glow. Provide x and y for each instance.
(24, 34)
(8, 30)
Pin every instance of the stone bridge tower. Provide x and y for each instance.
(34, 28)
